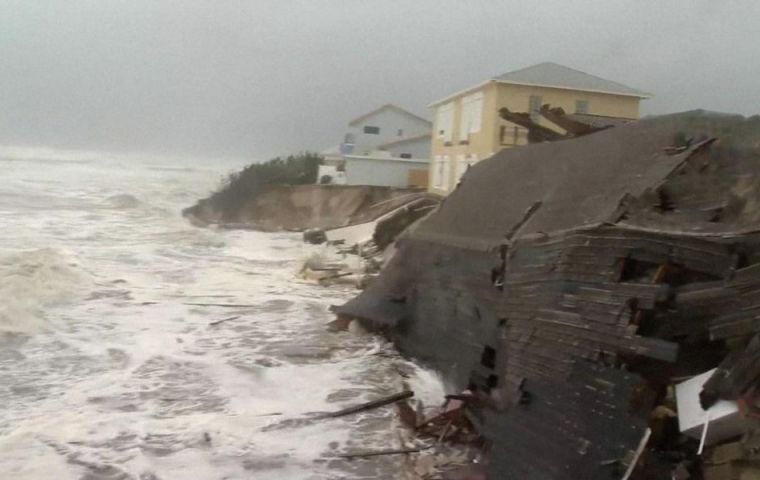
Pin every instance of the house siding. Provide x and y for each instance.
(516, 98)
(380, 171)
(390, 121)
(418, 148)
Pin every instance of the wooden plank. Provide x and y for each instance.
(380, 402)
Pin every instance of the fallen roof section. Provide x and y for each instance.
(573, 284)
(579, 182)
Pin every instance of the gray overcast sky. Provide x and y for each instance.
(255, 78)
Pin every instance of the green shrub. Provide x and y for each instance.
(241, 186)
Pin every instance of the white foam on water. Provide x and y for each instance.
(123, 200)
(110, 365)
(428, 386)
(32, 280)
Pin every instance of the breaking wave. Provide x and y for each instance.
(32, 280)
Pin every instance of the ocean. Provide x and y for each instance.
(112, 365)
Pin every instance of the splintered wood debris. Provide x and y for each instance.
(574, 287)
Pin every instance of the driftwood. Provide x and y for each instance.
(217, 322)
(370, 405)
(445, 430)
(335, 276)
(377, 453)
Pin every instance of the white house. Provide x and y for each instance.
(388, 146)
(382, 169)
(409, 147)
(384, 125)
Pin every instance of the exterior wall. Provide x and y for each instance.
(390, 121)
(333, 160)
(379, 171)
(517, 99)
(418, 178)
(490, 139)
(337, 177)
(418, 148)
(478, 146)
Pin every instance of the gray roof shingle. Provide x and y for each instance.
(550, 74)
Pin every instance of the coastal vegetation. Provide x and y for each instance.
(239, 187)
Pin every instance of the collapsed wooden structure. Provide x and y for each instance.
(571, 284)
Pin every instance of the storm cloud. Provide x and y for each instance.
(255, 78)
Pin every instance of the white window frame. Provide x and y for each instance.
(584, 102)
(464, 162)
(446, 173)
(437, 174)
(471, 114)
(444, 122)
(535, 102)
(461, 167)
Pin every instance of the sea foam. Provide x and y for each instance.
(34, 279)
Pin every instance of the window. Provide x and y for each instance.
(535, 105)
(488, 357)
(461, 167)
(349, 138)
(441, 172)
(444, 122)
(406, 155)
(445, 175)
(371, 130)
(471, 113)
(464, 162)
(400, 132)
(437, 172)
(581, 106)
(509, 135)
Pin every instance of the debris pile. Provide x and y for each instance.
(422, 457)
(599, 295)
(371, 242)
(326, 270)
(447, 423)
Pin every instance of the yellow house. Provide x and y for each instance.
(468, 127)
